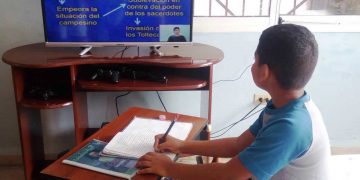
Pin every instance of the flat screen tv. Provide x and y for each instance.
(85, 23)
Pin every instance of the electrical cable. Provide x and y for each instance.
(121, 51)
(157, 92)
(227, 80)
(227, 128)
(236, 122)
(116, 101)
(232, 125)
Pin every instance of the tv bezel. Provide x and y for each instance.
(103, 44)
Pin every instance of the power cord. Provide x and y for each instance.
(121, 51)
(228, 80)
(157, 92)
(127, 93)
(116, 101)
(228, 127)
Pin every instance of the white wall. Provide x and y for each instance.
(20, 24)
(334, 86)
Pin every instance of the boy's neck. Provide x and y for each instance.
(281, 97)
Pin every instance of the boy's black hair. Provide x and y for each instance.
(291, 52)
(175, 28)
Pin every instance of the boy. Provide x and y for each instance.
(288, 140)
(176, 37)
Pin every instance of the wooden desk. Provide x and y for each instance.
(59, 169)
(187, 68)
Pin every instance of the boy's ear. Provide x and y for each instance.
(264, 72)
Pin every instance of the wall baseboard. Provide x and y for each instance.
(345, 150)
(11, 160)
(16, 160)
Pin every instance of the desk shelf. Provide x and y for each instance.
(174, 83)
(35, 84)
(49, 104)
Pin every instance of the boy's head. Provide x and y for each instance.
(176, 31)
(290, 53)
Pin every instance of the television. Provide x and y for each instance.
(87, 23)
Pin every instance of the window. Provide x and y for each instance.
(232, 15)
(232, 8)
(323, 15)
(320, 7)
(255, 15)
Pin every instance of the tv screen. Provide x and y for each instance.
(117, 22)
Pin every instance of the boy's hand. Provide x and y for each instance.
(154, 163)
(171, 144)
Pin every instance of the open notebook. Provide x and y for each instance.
(138, 137)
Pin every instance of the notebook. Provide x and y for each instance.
(89, 157)
(138, 137)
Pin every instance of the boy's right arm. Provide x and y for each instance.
(226, 147)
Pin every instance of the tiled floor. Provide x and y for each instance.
(344, 167)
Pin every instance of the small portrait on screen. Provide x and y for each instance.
(174, 33)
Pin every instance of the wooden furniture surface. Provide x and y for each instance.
(39, 56)
(65, 171)
(63, 70)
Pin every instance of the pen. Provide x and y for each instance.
(163, 138)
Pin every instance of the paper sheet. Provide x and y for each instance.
(138, 137)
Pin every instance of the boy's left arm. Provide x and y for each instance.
(156, 163)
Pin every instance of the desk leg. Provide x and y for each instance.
(80, 115)
(205, 110)
(31, 140)
(79, 108)
(29, 123)
(206, 99)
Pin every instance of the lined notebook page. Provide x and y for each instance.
(138, 137)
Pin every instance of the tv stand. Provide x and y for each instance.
(64, 72)
(155, 51)
(85, 52)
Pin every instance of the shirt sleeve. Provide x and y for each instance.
(274, 148)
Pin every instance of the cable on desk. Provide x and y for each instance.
(157, 92)
(120, 51)
(228, 127)
(229, 80)
(116, 101)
